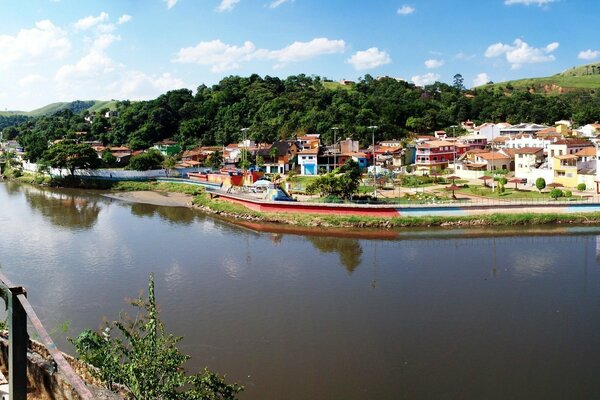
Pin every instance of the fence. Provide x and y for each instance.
(19, 309)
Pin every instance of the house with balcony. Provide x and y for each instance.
(436, 155)
(565, 170)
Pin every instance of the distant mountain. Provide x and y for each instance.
(583, 77)
(76, 107)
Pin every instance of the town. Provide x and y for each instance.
(560, 156)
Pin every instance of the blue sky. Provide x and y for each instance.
(64, 50)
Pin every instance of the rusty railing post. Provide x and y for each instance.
(18, 339)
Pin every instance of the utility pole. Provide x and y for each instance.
(334, 129)
(372, 128)
(244, 154)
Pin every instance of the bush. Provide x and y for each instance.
(137, 352)
(556, 193)
(540, 184)
(581, 187)
(568, 193)
(503, 181)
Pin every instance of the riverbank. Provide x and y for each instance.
(180, 195)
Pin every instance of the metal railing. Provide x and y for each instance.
(19, 309)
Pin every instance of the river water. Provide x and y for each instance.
(413, 315)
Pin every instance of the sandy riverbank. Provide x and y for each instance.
(169, 199)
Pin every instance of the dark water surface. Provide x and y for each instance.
(289, 316)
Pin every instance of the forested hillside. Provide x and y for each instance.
(274, 108)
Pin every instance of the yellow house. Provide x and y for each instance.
(563, 129)
(565, 170)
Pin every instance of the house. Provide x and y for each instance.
(527, 159)
(436, 155)
(522, 128)
(473, 141)
(528, 140)
(490, 130)
(307, 159)
(309, 141)
(391, 143)
(482, 160)
(567, 147)
(279, 156)
(589, 130)
(167, 147)
(573, 164)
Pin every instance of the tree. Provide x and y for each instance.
(215, 160)
(459, 82)
(108, 157)
(152, 159)
(71, 156)
(343, 182)
(139, 354)
(540, 184)
(168, 164)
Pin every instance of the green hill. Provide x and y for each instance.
(586, 77)
(77, 107)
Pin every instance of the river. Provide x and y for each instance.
(435, 314)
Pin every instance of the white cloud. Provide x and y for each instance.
(89, 22)
(520, 53)
(170, 3)
(224, 57)
(529, 2)
(481, 79)
(227, 5)
(424, 80)
(220, 56)
(301, 51)
(44, 42)
(406, 10)
(94, 64)
(464, 56)
(433, 63)
(277, 3)
(588, 54)
(370, 58)
(124, 19)
(137, 85)
(31, 80)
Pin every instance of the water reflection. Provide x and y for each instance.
(349, 250)
(61, 208)
(179, 215)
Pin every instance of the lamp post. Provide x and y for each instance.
(372, 128)
(244, 153)
(454, 147)
(334, 129)
(493, 168)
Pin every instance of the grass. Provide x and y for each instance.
(509, 194)
(132, 186)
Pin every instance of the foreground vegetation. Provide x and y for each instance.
(137, 353)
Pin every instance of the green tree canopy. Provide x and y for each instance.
(71, 156)
(152, 159)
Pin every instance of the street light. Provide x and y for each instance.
(454, 147)
(372, 128)
(244, 154)
(334, 129)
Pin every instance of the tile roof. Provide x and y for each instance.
(529, 150)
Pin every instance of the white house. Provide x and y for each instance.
(589, 130)
(527, 159)
(307, 159)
